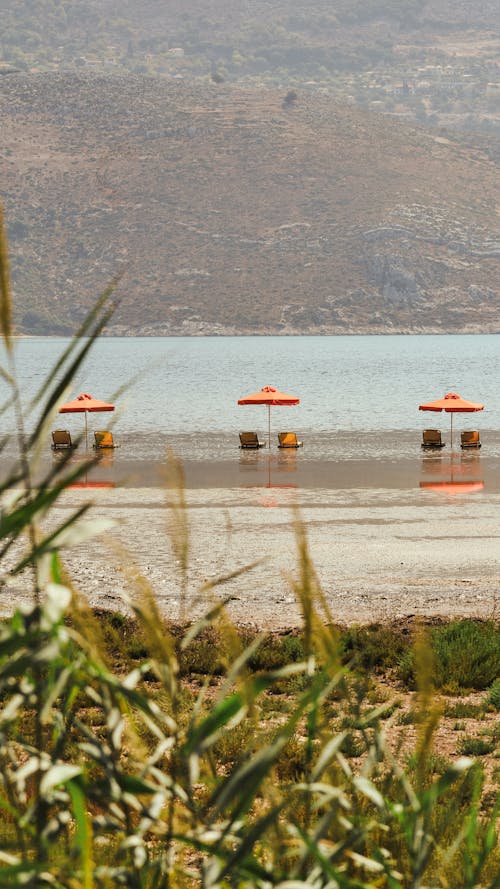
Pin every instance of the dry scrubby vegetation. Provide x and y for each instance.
(229, 213)
(140, 754)
(218, 155)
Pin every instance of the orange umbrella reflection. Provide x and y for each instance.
(454, 487)
(255, 463)
(458, 476)
(90, 469)
(87, 484)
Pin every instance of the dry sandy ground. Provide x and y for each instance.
(379, 554)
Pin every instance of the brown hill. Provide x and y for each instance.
(239, 210)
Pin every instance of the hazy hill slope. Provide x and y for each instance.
(426, 60)
(228, 212)
(265, 34)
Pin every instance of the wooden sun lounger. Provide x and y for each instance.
(250, 440)
(61, 439)
(288, 440)
(431, 438)
(470, 439)
(104, 439)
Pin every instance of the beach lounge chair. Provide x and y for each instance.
(250, 440)
(104, 439)
(431, 438)
(470, 439)
(61, 439)
(288, 440)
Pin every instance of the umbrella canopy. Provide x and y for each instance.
(269, 396)
(452, 404)
(85, 403)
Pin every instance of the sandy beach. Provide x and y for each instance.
(388, 540)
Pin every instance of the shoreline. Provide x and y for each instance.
(295, 469)
(109, 333)
(380, 554)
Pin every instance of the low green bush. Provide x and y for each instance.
(374, 646)
(494, 695)
(469, 745)
(353, 745)
(233, 744)
(468, 652)
(463, 710)
(408, 717)
(203, 656)
(277, 651)
(466, 655)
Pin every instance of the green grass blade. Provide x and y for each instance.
(242, 861)
(83, 831)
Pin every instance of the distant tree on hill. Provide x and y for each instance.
(290, 98)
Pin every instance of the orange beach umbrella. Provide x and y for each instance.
(452, 404)
(269, 396)
(86, 404)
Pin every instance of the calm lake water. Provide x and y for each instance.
(359, 395)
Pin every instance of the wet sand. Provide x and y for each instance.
(388, 539)
(298, 470)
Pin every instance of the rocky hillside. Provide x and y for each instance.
(231, 210)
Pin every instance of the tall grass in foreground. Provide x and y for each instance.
(142, 778)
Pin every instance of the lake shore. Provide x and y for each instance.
(381, 553)
(404, 467)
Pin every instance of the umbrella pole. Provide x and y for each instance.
(86, 433)
(451, 429)
(269, 426)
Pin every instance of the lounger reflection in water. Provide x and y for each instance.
(61, 438)
(470, 439)
(104, 439)
(250, 441)
(431, 438)
(288, 440)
